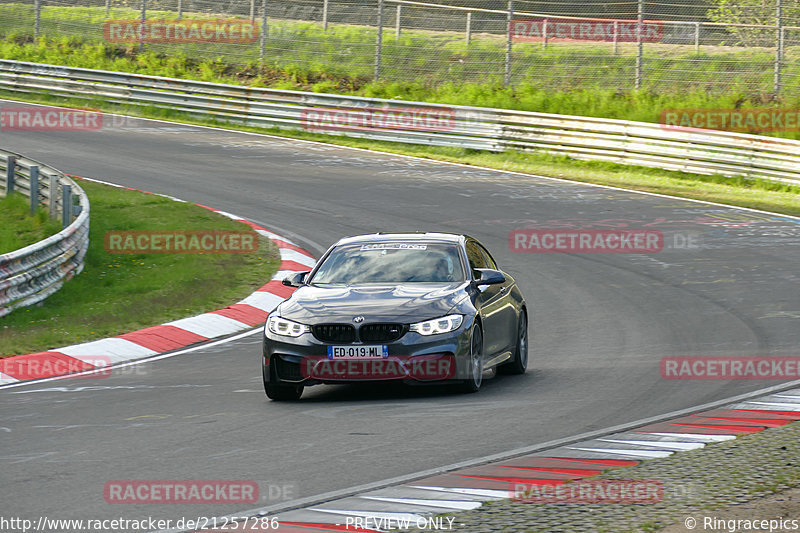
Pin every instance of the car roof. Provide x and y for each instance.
(412, 237)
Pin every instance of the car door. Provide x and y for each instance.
(505, 308)
(489, 301)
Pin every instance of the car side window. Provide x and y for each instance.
(476, 258)
(488, 259)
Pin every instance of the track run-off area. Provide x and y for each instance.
(725, 283)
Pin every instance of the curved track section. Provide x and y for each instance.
(144, 343)
(601, 323)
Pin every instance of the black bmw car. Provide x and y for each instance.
(416, 307)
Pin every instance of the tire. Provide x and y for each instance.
(281, 393)
(475, 379)
(520, 361)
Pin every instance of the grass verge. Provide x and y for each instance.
(118, 293)
(18, 228)
(574, 79)
(346, 48)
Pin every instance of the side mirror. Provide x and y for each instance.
(489, 277)
(297, 279)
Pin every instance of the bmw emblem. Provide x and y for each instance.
(358, 319)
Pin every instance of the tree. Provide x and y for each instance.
(760, 12)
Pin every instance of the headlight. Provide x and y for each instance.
(445, 324)
(281, 326)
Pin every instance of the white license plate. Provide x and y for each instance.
(380, 351)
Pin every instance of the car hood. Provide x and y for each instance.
(396, 303)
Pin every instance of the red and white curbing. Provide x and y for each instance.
(155, 340)
(417, 504)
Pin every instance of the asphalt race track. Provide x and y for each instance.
(600, 324)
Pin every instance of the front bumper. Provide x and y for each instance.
(412, 358)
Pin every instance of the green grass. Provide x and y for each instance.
(18, 228)
(644, 106)
(571, 78)
(118, 293)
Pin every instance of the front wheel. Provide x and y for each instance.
(475, 377)
(520, 361)
(281, 392)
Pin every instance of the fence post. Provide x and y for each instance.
(469, 27)
(264, 29)
(180, 9)
(11, 166)
(324, 15)
(141, 26)
(37, 20)
(779, 48)
(544, 34)
(66, 205)
(696, 36)
(639, 45)
(53, 196)
(616, 37)
(509, 42)
(108, 7)
(379, 43)
(397, 21)
(252, 11)
(34, 180)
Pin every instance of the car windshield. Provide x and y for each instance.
(399, 262)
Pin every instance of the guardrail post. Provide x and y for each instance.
(469, 27)
(264, 29)
(509, 42)
(180, 9)
(108, 7)
(10, 174)
(66, 205)
(379, 43)
(325, 15)
(37, 20)
(397, 21)
(252, 11)
(779, 48)
(53, 196)
(639, 44)
(34, 180)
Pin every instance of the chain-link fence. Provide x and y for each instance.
(665, 45)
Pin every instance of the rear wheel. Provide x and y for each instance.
(280, 392)
(520, 361)
(475, 376)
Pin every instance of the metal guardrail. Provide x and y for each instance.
(31, 274)
(620, 141)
